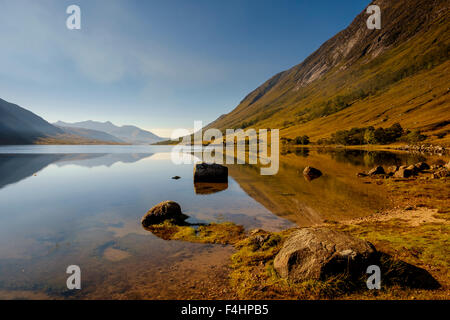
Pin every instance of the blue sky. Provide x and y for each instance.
(159, 65)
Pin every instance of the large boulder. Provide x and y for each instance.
(311, 173)
(205, 172)
(166, 210)
(317, 253)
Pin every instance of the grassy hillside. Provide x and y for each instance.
(362, 78)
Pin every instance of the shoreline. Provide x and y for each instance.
(411, 232)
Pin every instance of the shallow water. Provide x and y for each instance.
(82, 205)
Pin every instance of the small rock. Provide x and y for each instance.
(441, 173)
(256, 231)
(402, 172)
(392, 170)
(311, 173)
(258, 237)
(176, 177)
(421, 166)
(377, 170)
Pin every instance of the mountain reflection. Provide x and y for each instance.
(17, 167)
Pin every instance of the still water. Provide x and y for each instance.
(82, 205)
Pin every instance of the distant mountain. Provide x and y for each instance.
(91, 134)
(20, 126)
(129, 134)
(362, 77)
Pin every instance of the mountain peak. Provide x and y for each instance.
(127, 133)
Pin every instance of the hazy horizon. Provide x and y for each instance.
(158, 66)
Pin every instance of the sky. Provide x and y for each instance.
(159, 65)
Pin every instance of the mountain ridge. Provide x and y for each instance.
(126, 133)
(361, 77)
(21, 126)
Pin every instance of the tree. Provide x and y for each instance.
(393, 133)
(369, 136)
(304, 140)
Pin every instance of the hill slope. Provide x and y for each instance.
(363, 77)
(129, 134)
(91, 134)
(20, 126)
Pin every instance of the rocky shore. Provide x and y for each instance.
(424, 148)
(409, 244)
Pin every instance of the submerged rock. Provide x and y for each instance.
(376, 170)
(311, 173)
(205, 172)
(317, 253)
(166, 210)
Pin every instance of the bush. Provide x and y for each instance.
(368, 135)
(415, 136)
(304, 140)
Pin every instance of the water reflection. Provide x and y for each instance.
(17, 167)
(337, 195)
(209, 188)
(372, 158)
(84, 208)
(360, 157)
(82, 205)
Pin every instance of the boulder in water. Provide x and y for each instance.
(205, 172)
(311, 173)
(166, 210)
